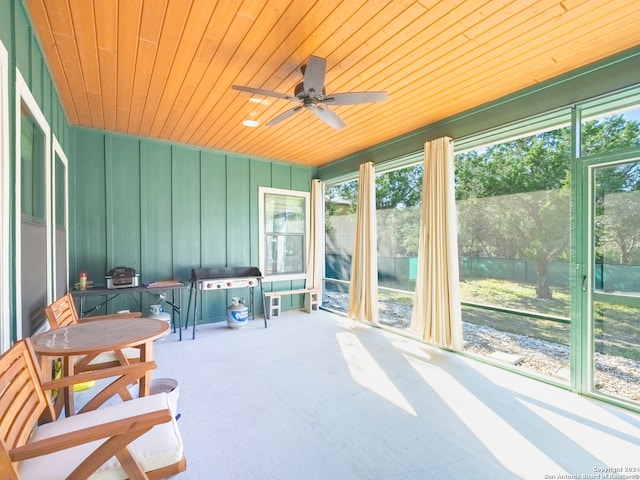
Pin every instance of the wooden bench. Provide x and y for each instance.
(137, 438)
(273, 300)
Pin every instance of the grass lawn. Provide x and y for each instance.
(519, 296)
(617, 327)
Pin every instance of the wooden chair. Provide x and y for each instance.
(135, 439)
(62, 313)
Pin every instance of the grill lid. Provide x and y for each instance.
(213, 273)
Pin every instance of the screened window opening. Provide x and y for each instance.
(609, 125)
(516, 211)
(513, 205)
(398, 211)
(340, 203)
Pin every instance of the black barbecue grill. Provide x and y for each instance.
(225, 277)
(221, 278)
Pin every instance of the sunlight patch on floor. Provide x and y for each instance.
(487, 426)
(365, 370)
(408, 346)
(615, 448)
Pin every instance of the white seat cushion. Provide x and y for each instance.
(159, 447)
(111, 357)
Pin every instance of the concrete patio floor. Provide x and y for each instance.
(317, 396)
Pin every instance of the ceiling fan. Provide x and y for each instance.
(310, 93)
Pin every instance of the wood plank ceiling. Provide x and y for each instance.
(164, 68)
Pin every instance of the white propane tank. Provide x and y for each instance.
(159, 314)
(237, 313)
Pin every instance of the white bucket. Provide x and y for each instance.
(168, 386)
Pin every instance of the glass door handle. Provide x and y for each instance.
(584, 283)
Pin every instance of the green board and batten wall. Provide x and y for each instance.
(165, 208)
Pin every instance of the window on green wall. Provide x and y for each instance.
(284, 224)
(32, 169)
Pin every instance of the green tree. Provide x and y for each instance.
(501, 216)
(398, 194)
(617, 229)
(609, 134)
(513, 201)
(394, 189)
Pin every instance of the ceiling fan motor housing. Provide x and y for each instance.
(301, 94)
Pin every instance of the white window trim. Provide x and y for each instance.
(262, 191)
(59, 152)
(5, 197)
(24, 95)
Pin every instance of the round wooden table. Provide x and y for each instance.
(90, 338)
(97, 336)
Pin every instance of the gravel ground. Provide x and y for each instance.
(614, 375)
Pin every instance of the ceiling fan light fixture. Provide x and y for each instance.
(250, 123)
(262, 101)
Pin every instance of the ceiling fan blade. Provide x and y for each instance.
(265, 93)
(329, 117)
(283, 116)
(314, 73)
(354, 98)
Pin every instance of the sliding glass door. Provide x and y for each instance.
(614, 277)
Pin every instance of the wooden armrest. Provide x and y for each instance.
(118, 434)
(125, 375)
(137, 424)
(137, 369)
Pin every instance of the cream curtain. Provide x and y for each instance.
(315, 254)
(363, 290)
(437, 316)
